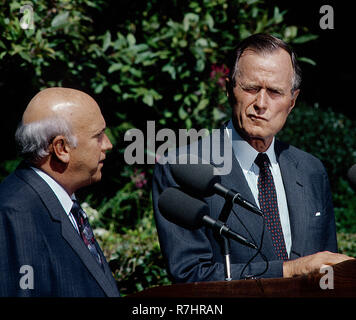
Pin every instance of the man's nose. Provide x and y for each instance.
(106, 143)
(261, 100)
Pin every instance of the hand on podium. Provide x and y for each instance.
(312, 263)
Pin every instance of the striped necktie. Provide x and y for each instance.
(85, 230)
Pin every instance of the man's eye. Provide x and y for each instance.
(251, 89)
(274, 92)
(99, 135)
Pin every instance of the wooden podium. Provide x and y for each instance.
(344, 283)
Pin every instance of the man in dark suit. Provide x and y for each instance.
(290, 186)
(47, 247)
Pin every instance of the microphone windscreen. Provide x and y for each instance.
(195, 177)
(351, 175)
(182, 209)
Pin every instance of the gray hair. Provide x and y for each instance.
(264, 43)
(33, 139)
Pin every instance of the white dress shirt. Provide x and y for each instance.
(62, 196)
(246, 155)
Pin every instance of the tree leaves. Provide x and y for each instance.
(60, 20)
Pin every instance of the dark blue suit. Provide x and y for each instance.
(35, 231)
(196, 255)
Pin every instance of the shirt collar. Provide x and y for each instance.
(65, 200)
(245, 153)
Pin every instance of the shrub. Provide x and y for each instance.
(347, 243)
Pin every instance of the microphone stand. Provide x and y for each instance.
(224, 214)
(227, 258)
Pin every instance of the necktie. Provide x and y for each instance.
(267, 198)
(85, 230)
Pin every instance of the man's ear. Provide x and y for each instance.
(227, 85)
(294, 99)
(230, 91)
(61, 149)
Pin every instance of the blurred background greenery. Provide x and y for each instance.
(166, 61)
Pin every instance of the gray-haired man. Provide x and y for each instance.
(290, 186)
(62, 139)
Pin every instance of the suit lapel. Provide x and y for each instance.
(251, 223)
(57, 213)
(74, 240)
(293, 185)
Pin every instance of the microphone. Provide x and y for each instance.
(184, 210)
(199, 179)
(351, 175)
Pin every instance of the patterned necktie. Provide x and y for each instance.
(85, 230)
(267, 198)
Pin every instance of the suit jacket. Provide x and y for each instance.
(35, 231)
(195, 255)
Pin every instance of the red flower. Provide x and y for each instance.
(139, 179)
(219, 73)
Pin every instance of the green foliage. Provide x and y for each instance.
(59, 38)
(162, 60)
(345, 207)
(347, 243)
(135, 256)
(331, 137)
(130, 203)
